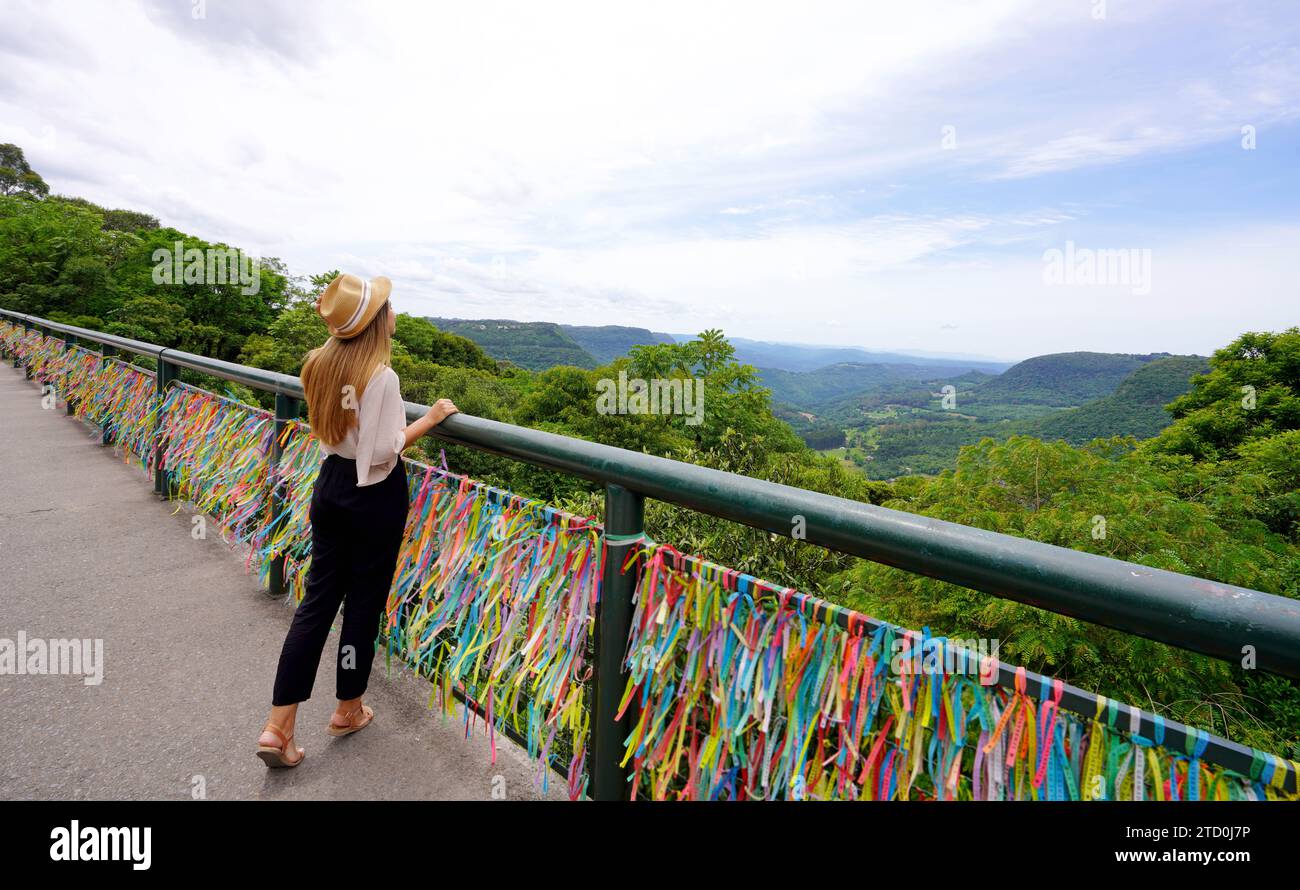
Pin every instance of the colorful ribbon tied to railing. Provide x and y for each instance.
(496, 595)
(493, 597)
(215, 453)
(114, 395)
(286, 533)
(11, 339)
(124, 405)
(740, 690)
(74, 373)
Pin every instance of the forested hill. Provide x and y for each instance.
(841, 392)
(901, 430)
(1063, 379)
(1136, 408)
(895, 419)
(611, 341)
(538, 345)
(535, 345)
(818, 390)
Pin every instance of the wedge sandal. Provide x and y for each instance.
(279, 757)
(353, 725)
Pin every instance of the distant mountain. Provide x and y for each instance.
(797, 357)
(1061, 380)
(818, 390)
(536, 345)
(926, 440)
(608, 342)
(1135, 408)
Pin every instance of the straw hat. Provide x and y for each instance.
(350, 302)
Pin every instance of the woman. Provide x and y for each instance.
(358, 507)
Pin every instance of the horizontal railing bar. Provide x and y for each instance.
(270, 381)
(1216, 619)
(137, 346)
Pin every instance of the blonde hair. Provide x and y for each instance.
(331, 369)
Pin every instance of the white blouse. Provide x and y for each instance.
(375, 442)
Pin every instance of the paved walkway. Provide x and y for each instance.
(190, 646)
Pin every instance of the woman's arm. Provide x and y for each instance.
(436, 414)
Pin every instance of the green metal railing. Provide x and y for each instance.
(1220, 620)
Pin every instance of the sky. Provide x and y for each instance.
(920, 175)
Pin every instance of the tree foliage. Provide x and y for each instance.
(17, 176)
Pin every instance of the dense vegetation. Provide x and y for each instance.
(1136, 408)
(912, 419)
(538, 345)
(1062, 380)
(605, 343)
(814, 391)
(1216, 494)
(534, 345)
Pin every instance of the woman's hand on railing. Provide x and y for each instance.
(440, 411)
(437, 413)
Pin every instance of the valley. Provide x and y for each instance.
(887, 414)
(900, 420)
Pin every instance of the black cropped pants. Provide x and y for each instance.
(356, 532)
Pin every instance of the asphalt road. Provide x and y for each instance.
(190, 643)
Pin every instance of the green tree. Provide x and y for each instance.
(221, 315)
(116, 220)
(17, 176)
(423, 340)
(129, 220)
(734, 404)
(321, 281)
(296, 331)
(1252, 391)
(55, 256)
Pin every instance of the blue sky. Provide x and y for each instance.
(776, 170)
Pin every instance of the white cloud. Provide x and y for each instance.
(672, 165)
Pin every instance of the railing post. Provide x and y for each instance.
(167, 372)
(69, 342)
(624, 519)
(286, 410)
(26, 326)
(106, 353)
(27, 368)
